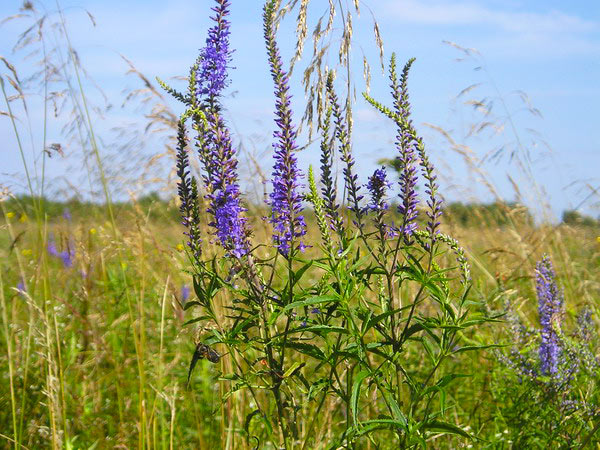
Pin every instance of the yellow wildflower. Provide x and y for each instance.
(23, 218)
(10, 215)
(26, 252)
(93, 231)
(179, 247)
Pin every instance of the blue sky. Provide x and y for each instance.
(548, 49)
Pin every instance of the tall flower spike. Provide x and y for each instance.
(406, 148)
(434, 203)
(188, 196)
(223, 189)
(329, 189)
(341, 132)
(285, 201)
(216, 150)
(550, 304)
(212, 64)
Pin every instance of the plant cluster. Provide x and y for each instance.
(367, 316)
(549, 378)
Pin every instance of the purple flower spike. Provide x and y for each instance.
(229, 224)
(406, 145)
(585, 324)
(21, 286)
(185, 293)
(211, 75)
(217, 153)
(377, 186)
(342, 134)
(188, 194)
(285, 200)
(550, 304)
(221, 180)
(66, 256)
(51, 247)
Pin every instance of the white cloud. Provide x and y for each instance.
(365, 115)
(467, 13)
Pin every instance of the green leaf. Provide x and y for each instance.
(428, 348)
(188, 305)
(242, 326)
(298, 274)
(378, 424)
(398, 415)
(307, 349)
(311, 301)
(197, 319)
(293, 368)
(378, 318)
(355, 393)
(445, 381)
(198, 289)
(414, 328)
(438, 425)
(249, 418)
(359, 263)
(318, 329)
(469, 348)
(449, 310)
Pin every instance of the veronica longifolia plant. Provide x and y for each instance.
(547, 385)
(364, 318)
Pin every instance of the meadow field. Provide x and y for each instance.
(346, 312)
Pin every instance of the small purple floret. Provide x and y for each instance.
(21, 286)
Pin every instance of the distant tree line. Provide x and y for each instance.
(158, 208)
